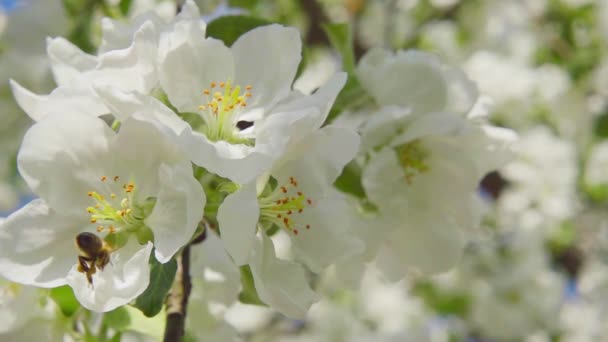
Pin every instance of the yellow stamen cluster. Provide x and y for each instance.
(105, 212)
(280, 206)
(413, 158)
(226, 101)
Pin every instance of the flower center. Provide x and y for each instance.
(10, 290)
(224, 104)
(282, 205)
(113, 212)
(413, 159)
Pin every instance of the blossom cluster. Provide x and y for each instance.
(171, 142)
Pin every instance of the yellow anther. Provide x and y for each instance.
(249, 87)
(90, 193)
(222, 84)
(247, 94)
(93, 220)
(116, 178)
(206, 92)
(103, 178)
(201, 107)
(213, 84)
(100, 229)
(113, 195)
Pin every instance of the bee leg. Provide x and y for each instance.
(102, 260)
(83, 267)
(83, 264)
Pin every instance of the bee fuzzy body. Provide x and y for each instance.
(94, 254)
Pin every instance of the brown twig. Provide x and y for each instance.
(177, 299)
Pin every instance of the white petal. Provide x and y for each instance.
(279, 283)
(121, 281)
(238, 218)
(118, 34)
(62, 156)
(37, 245)
(138, 151)
(133, 68)
(177, 212)
(322, 99)
(62, 100)
(423, 242)
(412, 79)
(239, 163)
(189, 63)
(68, 62)
(144, 107)
(327, 241)
(431, 124)
(383, 180)
(385, 123)
(318, 159)
(209, 261)
(267, 58)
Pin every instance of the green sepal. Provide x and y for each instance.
(249, 295)
(64, 297)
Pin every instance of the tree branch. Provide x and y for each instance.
(177, 299)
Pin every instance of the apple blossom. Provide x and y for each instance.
(417, 155)
(91, 179)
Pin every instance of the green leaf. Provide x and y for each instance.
(246, 4)
(350, 180)
(341, 38)
(117, 319)
(116, 338)
(124, 6)
(65, 299)
(229, 28)
(249, 295)
(161, 278)
(443, 302)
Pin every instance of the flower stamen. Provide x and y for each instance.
(280, 206)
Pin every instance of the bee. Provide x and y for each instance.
(94, 253)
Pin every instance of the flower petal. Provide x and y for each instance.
(395, 80)
(322, 99)
(132, 68)
(121, 281)
(143, 107)
(37, 245)
(281, 284)
(420, 241)
(209, 261)
(237, 162)
(68, 62)
(238, 218)
(327, 240)
(62, 157)
(267, 58)
(318, 160)
(177, 212)
(59, 101)
(189, 63)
